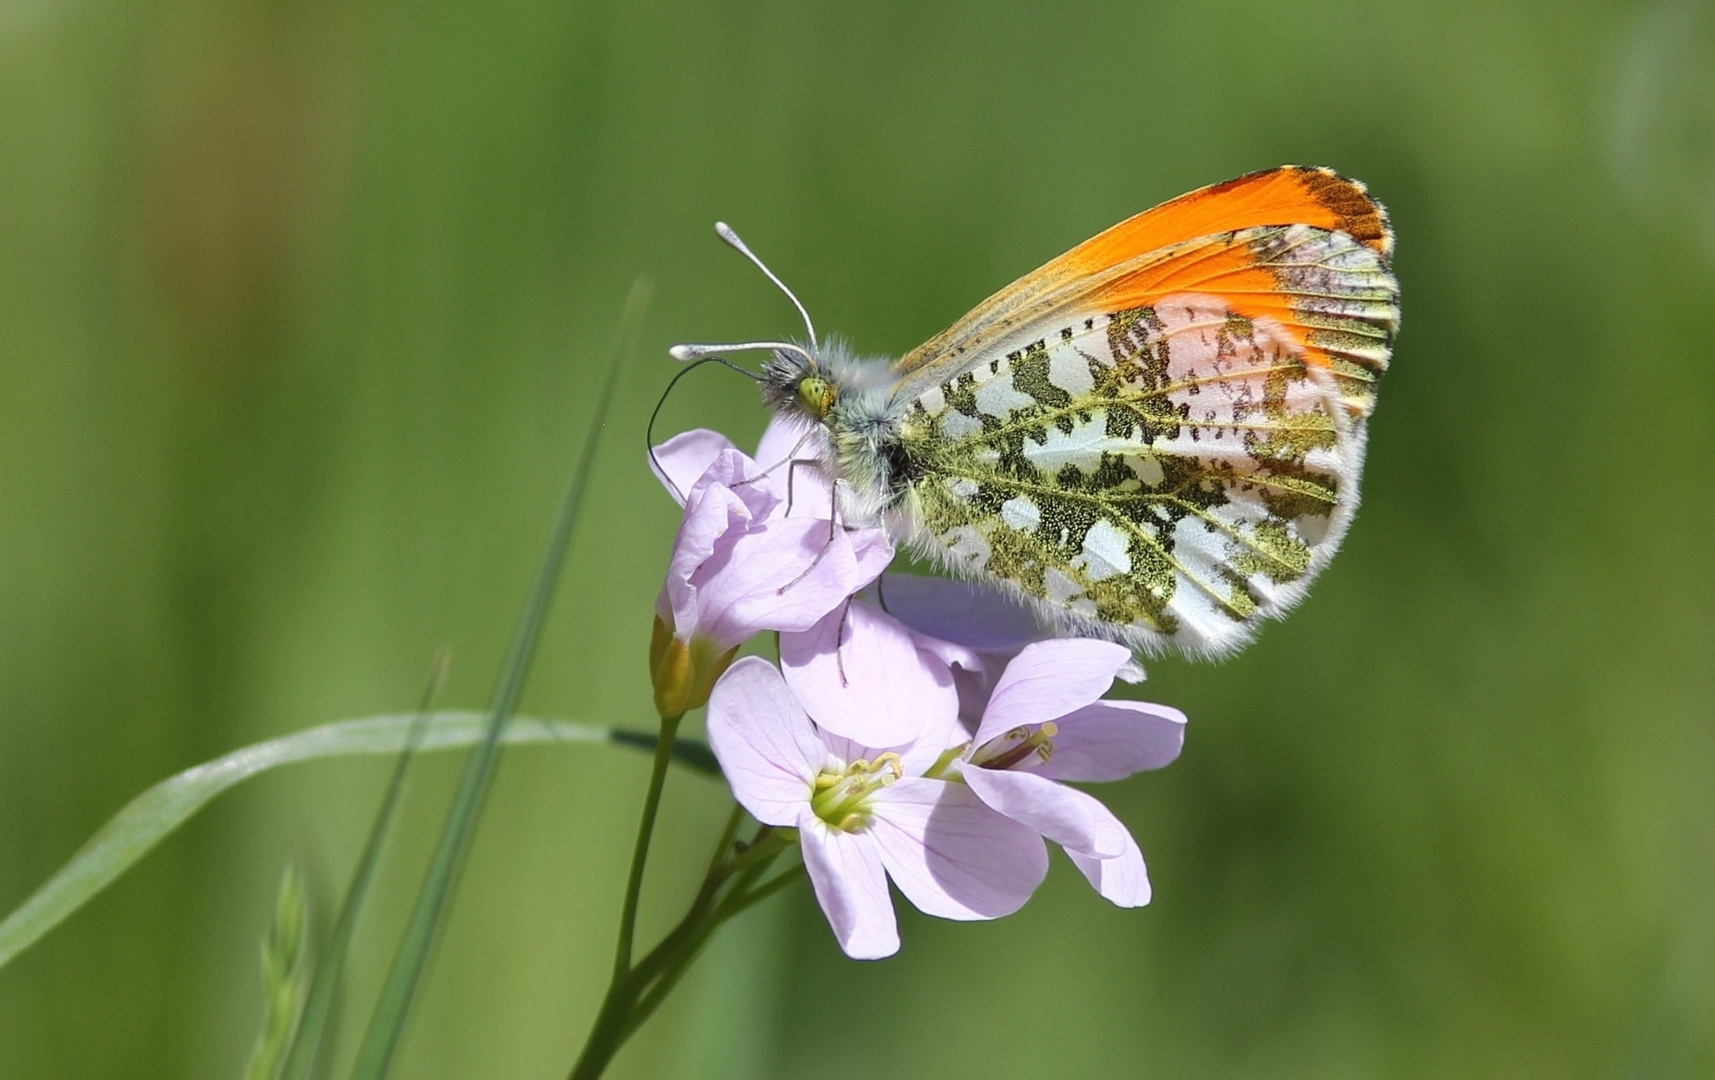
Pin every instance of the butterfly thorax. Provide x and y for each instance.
(850, 401)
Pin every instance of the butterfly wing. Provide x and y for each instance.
(1133, 262)
(1162, 446)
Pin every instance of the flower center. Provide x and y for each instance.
(842, 798)
(1017, 747)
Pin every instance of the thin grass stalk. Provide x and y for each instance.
(380, 1043)
(306, 1047)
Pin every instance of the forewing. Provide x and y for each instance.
(1173, 457)
(1124, 267)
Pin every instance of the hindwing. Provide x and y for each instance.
(1170, 470)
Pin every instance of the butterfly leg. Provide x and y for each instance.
(789, 460)
(792, 475)
(833, 531)
(840, 640)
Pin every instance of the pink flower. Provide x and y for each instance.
(740, 566)
(1044, 723)
(681, 461)
(869, 678)
(865, 814)
(976, 627)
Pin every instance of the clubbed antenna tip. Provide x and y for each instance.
(725, 232)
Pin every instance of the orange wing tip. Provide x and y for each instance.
(1287, 195)
(1348, 205)
(1359, 216)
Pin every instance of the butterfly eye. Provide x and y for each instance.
(817, 396)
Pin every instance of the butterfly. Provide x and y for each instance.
(1156, 438)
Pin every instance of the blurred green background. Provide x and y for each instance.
(302, 305)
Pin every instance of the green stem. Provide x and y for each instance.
(609, 1030)
(749, 863)
(738, 905)
(640, 852)
(724, 844)
(728, 909)
(637, 990)
(763, 846)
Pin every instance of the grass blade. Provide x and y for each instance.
(285, 970)
(305, 1049)
(398, 994)
(149, 818)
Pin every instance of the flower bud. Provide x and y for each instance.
(683, 672)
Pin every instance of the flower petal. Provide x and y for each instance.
(846, 872)
(733, 470)
(714, 520)
(872, 551)
(915, 758)
(967, 613)
(1069, 817)
(1123, 880)
(950, 653)
(951, 855)
(766, 745)
(1110, 740)
(1049, 679)
(680, 461)
(783, 575)
(861, 675)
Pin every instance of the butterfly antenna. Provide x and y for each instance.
(725, 232)
(703, 352)
(649, 429)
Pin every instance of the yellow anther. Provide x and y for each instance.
(889, 760)
(1050, 729)
(842, 798)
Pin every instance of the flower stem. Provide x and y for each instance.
(637, 990)
(640, 852)
(733, 905)
(609, 1030)
(724, 844)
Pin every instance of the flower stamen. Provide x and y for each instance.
(842, 798)
(1017, 746)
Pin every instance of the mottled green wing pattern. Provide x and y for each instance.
(1166, 475)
